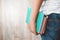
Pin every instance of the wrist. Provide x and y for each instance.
(32, 20)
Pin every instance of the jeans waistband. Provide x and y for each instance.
(54, 16)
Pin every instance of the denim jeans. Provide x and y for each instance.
(52, 27)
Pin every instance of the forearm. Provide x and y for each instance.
(36, 4)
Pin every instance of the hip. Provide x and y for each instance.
(53, 25)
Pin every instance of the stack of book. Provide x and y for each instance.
(41, 21)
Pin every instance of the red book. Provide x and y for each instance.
(44, 25)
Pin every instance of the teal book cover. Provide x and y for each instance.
(39, 19)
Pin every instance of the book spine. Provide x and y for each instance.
(44, 25)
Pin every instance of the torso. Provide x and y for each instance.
(51, 6)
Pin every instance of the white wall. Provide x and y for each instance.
(13, 16)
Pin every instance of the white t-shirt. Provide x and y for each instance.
(51, 6)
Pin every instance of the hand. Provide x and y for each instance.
(32, 27)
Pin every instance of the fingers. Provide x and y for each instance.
(32, 28)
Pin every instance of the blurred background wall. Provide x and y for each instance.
(12, 20)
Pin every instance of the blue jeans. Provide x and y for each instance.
(52, 27)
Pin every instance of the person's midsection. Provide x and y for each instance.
(52, 6)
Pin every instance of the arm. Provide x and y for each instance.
(36, 4)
